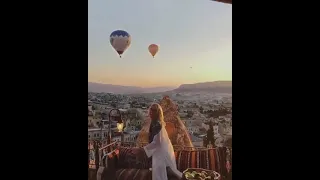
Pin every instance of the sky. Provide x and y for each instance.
(190, 33)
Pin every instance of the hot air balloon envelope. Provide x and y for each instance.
(120, 41)
(153, 49)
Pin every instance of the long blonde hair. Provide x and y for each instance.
(160, 113)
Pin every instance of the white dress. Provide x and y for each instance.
(162, 154)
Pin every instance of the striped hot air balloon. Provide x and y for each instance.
(120, 40)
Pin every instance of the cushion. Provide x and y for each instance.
(133, 174)
(133, 157)
(211, 159)
(138, 174)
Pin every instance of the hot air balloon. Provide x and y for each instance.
(120, 41)
(153, 49)
(224, 1)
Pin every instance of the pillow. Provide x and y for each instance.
(211, 159)
(133, 157)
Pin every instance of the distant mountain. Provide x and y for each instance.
(110, 88)
(216, 86)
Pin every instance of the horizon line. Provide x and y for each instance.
(159, 85)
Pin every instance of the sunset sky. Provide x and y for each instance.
(190, 33)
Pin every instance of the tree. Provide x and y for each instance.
(189, 114)
(201, 109)
(218, 112)
(138, 127)
(113, 105)
(205, 141)
(210, 135)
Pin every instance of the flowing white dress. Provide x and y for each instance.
(162, 154)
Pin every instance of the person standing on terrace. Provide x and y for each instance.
(160, 147)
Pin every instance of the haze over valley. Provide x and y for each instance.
(216, 86)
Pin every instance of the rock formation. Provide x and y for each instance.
(177, 131)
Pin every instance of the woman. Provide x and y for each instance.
(160, 147)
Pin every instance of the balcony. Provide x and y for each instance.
(97, 152)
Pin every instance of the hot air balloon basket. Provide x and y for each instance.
(200, 174)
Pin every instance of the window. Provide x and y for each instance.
(98, 135)
(94, 135)
(89, 136)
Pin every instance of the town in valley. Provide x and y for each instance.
(198, 110)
